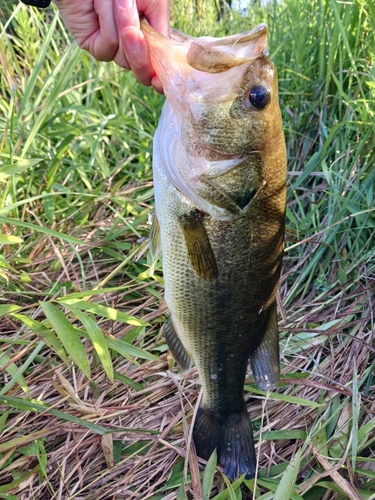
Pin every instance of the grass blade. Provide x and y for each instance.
(98, 340)
(104, 311)
(128, 350)
(18, 375)
(24, 404)
(68, 336)
(15, 373)
(48, 336)
(208, 475)
(40, 229)
(288, 480)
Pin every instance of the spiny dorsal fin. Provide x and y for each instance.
(175, 345)
(198, 245)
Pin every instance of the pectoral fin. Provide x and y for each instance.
(155, 240)
(175, 345)
(265, 362)
(198, 246)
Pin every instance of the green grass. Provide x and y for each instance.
(83, 363)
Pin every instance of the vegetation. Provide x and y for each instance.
(92, 405)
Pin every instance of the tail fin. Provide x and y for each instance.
(232, 436)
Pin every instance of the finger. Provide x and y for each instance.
(158, 14)
(156, 83)
(104, 42)
(137, 54)
(126, 13)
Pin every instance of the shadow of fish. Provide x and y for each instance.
(219, 173)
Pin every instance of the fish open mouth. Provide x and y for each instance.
(183, 60)
(213, 55)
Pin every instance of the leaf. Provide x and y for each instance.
(41, 229)
(117, 450)
(3, 419)
(107, 447)
(233, 489)
(6, 309)
(356, 406)
(288, 480)
(334, 487)
(9, 239)
(12, 369)
(272, 484)
(208, 475)
(286, 434)
(68, 336)
(137, 386)
(17, 376)
(17, 482)
(42, 457)
(25, 404)
(105, 312)
(48, 336)
(284, 397)
(320, 440)
(364, 432)
(17, 167)
(98, 340)
(128, 350)
(181, 493)
(27, 438)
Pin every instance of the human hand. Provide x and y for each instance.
(109, 30)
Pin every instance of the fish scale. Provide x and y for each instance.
(219, 166)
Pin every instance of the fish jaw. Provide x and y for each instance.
(184, 170)
(168, 58)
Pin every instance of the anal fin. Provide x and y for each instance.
(198, 246)
(265, 362)
(175, 345)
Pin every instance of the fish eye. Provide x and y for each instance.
(259, 96)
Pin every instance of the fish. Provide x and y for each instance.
(219, 168)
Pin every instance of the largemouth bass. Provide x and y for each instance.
(219, 165)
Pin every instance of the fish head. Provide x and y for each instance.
(224, 90)
(221, 129)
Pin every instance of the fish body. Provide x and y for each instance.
(219, 165)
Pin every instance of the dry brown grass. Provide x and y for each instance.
(148, 421)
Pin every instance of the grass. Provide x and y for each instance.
(92, 405)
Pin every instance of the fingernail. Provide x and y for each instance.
(126, 4)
